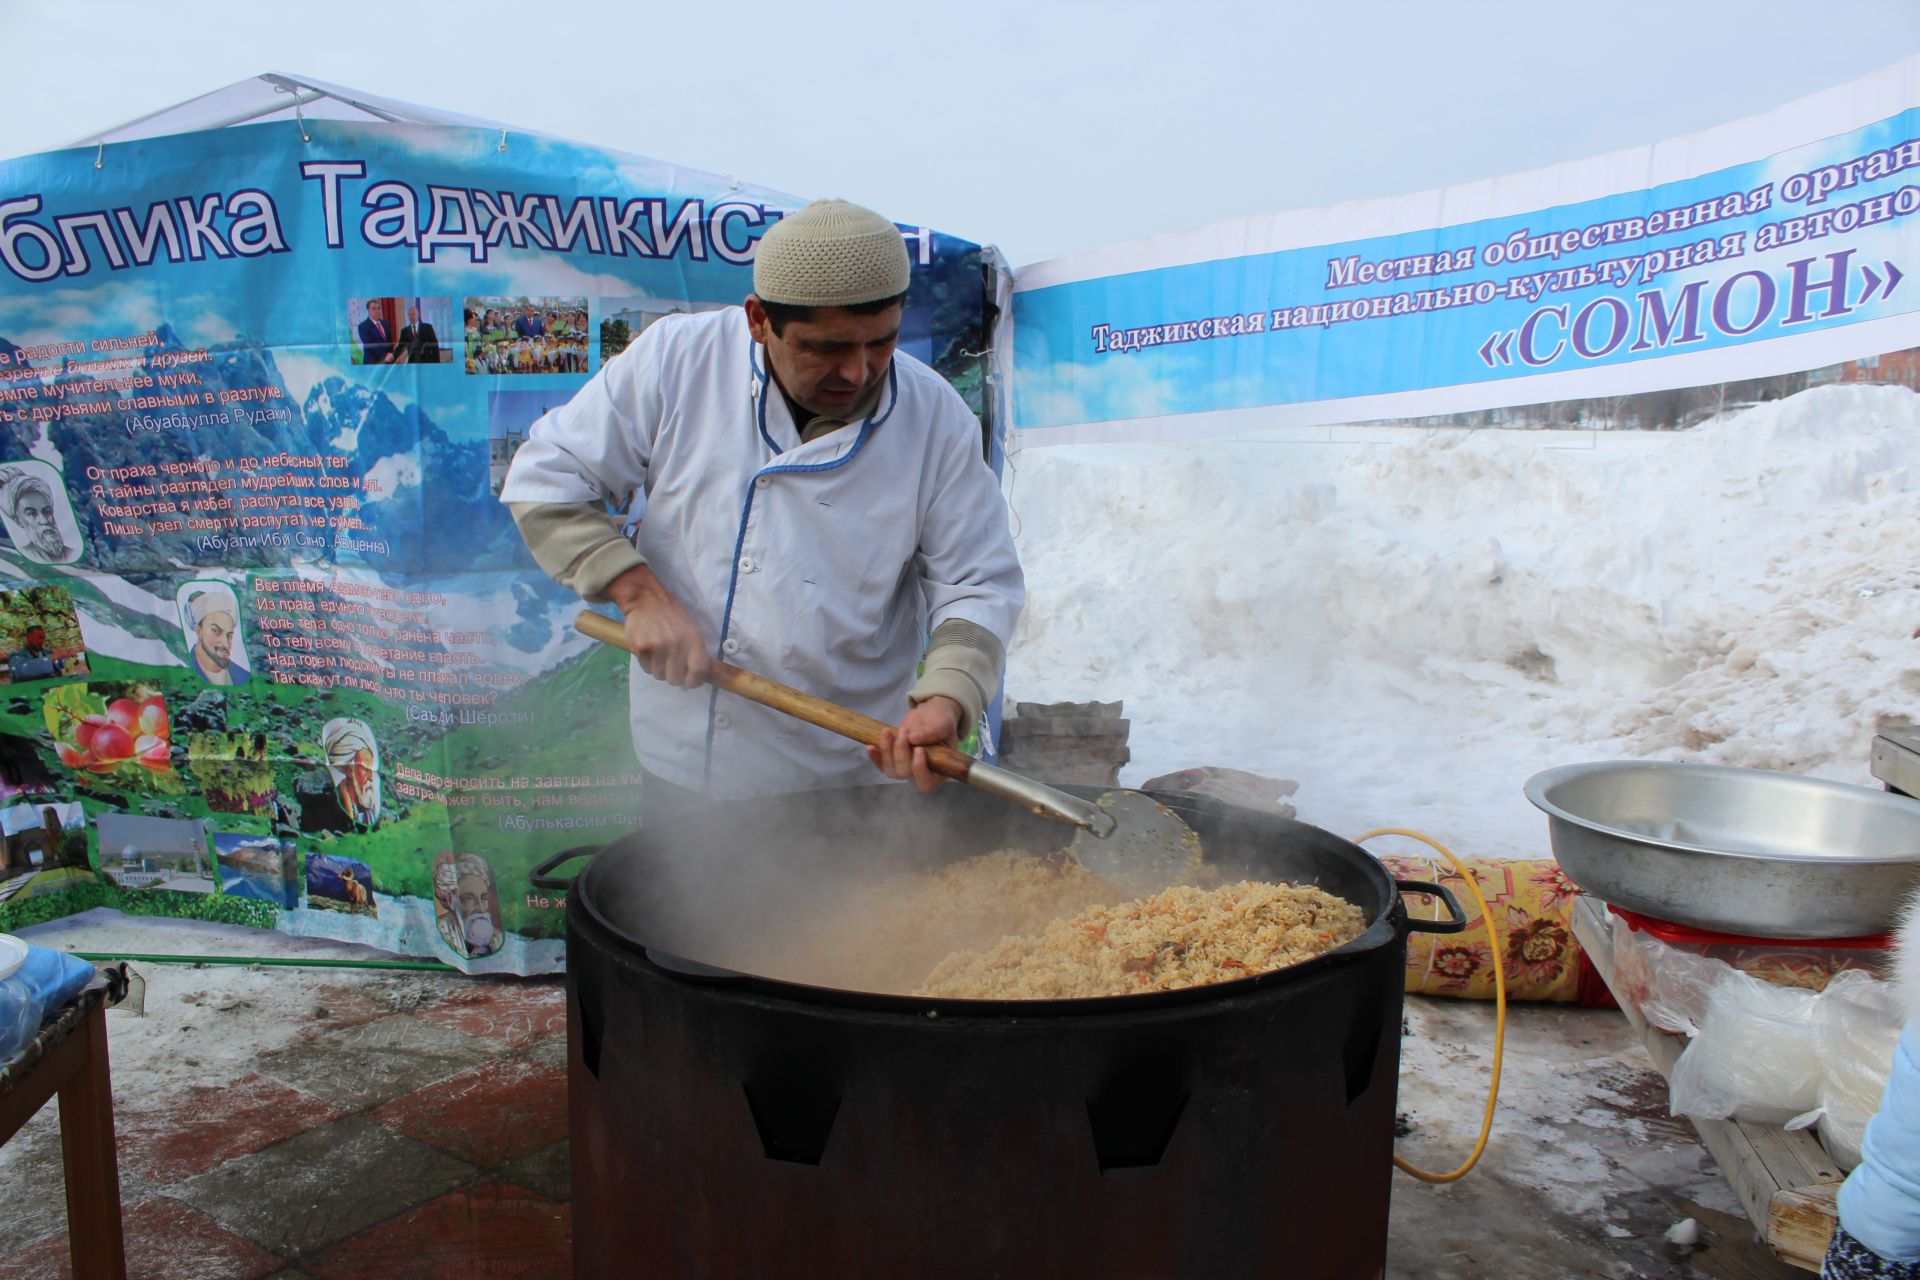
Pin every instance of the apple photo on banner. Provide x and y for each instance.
(115, 735)
(40, 635)
(37, 513)
(210, 621)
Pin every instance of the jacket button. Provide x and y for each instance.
(761, 482)
(730, 646)
(721, 721)
(746, 564)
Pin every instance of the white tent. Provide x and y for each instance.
(276, 95)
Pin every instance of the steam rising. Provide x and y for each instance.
(870, 888)
(812, 887)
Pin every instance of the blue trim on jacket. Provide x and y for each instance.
(867, 427)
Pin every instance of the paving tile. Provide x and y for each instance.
(550, 1049)
(511, 1010)
(35, 1202)
(363, 1066)
(487, 1115)
(548, 1171)
(165, 1240)
(176, 1137)
(33, 1183)
(315, 1190)
(491, 1228)
(344, 1005)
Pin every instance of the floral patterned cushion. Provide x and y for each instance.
(1532, 902)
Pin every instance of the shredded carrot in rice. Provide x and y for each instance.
(1183, 937)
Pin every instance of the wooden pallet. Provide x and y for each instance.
(1785, 1180)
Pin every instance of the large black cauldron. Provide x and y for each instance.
(732, 1125)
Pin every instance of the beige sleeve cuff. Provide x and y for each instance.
(577, 543)
(963, 663)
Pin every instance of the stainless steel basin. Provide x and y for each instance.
(1746, 851)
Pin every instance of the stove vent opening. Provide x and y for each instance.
(1360, 1052)
(793, 1117)
(588, 1016)
(1134, 1116)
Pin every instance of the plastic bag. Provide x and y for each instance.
(1857, 1022)
(45, 981)
(17, 1019)
(1669, 985)
(1755, 1055)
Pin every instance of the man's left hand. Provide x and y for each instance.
(902, 752)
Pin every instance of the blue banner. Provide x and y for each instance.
(1817, 238)
(275, 652)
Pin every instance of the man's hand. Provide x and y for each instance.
(902, 752)
(661, 633)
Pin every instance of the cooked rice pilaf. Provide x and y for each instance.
(889, 935)
(1182, 937)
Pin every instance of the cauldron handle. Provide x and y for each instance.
(1414, 925)
(540, 879)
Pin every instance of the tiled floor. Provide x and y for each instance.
(424, 1140)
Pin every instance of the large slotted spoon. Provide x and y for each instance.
(1126, 837)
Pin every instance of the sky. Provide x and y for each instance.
(1045, 127)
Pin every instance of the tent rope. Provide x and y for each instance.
(299, 118)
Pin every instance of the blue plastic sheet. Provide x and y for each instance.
(45, 981)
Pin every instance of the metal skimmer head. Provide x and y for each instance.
(1147, 850)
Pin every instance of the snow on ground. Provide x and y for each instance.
(1410, 623)
(1410, 627)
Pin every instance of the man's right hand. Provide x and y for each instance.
(661, 633)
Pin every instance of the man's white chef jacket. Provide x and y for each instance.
(821, 564)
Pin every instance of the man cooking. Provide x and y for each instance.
(816, 505)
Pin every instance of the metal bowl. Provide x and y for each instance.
(1741, 851)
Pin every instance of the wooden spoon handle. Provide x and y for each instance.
(830, 716)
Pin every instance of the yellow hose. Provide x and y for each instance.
(1499, 1006)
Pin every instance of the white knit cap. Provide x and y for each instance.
(830, 254)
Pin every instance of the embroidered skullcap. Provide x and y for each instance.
(830, 254)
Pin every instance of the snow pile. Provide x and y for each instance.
(1411, 623)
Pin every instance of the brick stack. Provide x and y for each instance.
(1070, 742)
